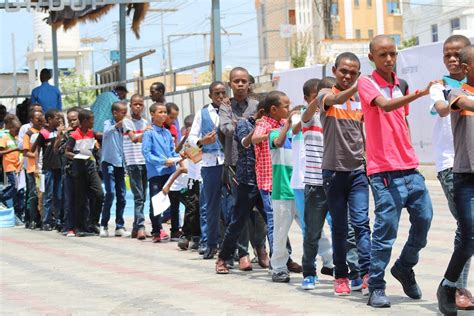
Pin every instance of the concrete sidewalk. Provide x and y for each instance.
(46, 273)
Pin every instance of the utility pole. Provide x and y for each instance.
(216, 39)
(163, 52)
(123, 44)
(15, 89)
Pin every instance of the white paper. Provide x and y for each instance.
(175, 159)
(160, 202)
(41, 184)
(21, 180)
(81, 156)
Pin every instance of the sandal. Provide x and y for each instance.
(221, 267)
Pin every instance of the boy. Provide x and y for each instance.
(173, 111)
(113, 171)
(443, 142)
(133, 129)
(158, 150)
(203, 134)
(248, 195)
(345, 181)
(36, 120)
(68, 181)
(11, 163)
(462, 120)
(315, 207)
(51, 169)
(393, 176)
(89, 197)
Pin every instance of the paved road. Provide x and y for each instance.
(46, 273)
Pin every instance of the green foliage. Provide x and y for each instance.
(412, 41)
(70, 82)
(299, 51)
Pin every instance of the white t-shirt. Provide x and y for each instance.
(298, 154)
(133, 151)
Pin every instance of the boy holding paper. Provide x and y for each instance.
(160, 157)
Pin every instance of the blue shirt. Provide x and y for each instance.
(157, 147)
(112, 144)
(48, 96)
(102, 109)
(246, 159)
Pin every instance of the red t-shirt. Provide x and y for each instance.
(174, 132)
(388, 143)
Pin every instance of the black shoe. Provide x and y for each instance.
(410, 287)
(27, 225)
(94, 229)
(32, 225)
(210, 253)
(80, 233)
(378, 299)
(447, 300)
(202, 249)
(281, 277)
(183, 243)
(327, 271)
(46, 227)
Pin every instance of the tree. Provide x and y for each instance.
(70, 82)
(412, 41)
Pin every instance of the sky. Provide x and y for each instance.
(237, 16)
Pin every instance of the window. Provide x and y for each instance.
(434, 32)
(357, 34)
(356, 3)
(393, 7)
(371, 34)
(292, 17)
(397, 39)
(334, 9)
(369, 3)
(455, 24)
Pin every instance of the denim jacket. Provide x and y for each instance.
(246, 156)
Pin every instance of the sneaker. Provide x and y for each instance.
(183, 243)
(410, 287)
(281, 277)
(156, 239)
(341, 287)
(378, 299)
(309, 283)
(356, 284)
(365, 285)
(446, 299)
(194, 245)
(70, 233)
(46, 227)
(176, 235)
(104, 232)
(164, 235)
(94, 229)
(122, 232)
(327, 271)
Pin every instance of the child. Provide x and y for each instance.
(248, 195)
(203, 134)
(443, 142)
(345, 180)
(173, 111)
(315, 207)
(36, 120)
(68, 181)
(113, 171)
(11, 163)
(158, 150)
(462, 119)
(133, 129)
(89, 196)
(393, 176)
(51, 169)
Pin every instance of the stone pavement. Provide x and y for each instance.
(46, 273)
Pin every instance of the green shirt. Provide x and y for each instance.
(282, 168)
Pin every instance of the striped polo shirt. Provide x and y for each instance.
(313, 141)
(343, 133)
(133, 151)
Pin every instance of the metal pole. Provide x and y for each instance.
(169, 58)
(163, 53)
(142, 86)
(15, 89)
(123, 44)
(54, 40)
(216, 31)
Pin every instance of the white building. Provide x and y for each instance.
(435, 20)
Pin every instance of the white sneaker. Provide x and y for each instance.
(122, 232)
(103, 232)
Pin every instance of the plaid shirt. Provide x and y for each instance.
(263, 165)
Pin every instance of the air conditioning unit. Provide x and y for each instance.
(396, 12)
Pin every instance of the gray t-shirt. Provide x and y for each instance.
(462, 123)
(343, 133)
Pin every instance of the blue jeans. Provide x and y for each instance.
(348, 191)
(53, 195)
(268, 210)
(446, 178)
(464, 201)
(9, 192)
(202, 215)
(156, 185)
(114, 183)
(212, 183)
(315, 210)
(138, 182)
(300, 202)
(393, 191)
